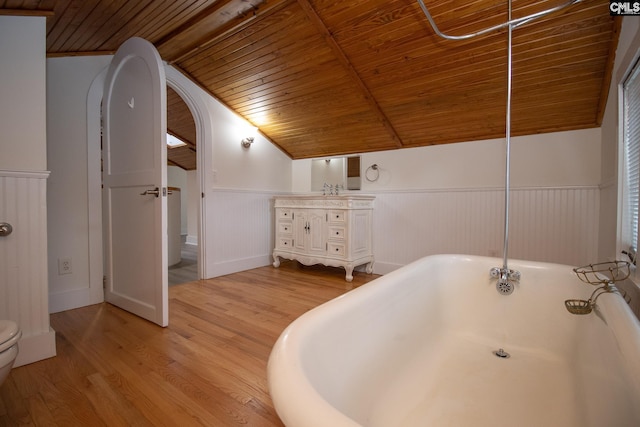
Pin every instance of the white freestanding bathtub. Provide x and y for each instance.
(416, 348)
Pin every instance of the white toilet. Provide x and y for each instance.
(9, 336)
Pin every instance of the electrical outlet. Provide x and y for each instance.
(64, 266)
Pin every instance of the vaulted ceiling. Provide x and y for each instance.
(332, 77)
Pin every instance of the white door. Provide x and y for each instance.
(135, 181)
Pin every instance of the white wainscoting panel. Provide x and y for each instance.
(546, 224)
(240, 230)
(23, 262)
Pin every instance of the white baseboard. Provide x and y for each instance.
(35, 348)
(68, 300)
(385, 267)
(220, 269)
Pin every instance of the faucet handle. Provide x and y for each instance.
(495, 272)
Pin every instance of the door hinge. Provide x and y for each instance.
(202, 195)
(104, 282)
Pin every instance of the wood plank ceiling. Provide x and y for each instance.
(331, 77)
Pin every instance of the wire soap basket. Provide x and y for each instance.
(604, 275)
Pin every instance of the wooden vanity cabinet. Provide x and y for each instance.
(334, 231)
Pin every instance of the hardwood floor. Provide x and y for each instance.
(207, 368)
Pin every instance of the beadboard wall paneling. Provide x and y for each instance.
(555, 225)
(240, 226)
(546, 224)
(23, 262)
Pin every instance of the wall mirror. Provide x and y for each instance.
(343, 171)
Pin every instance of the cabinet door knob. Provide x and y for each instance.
(5, 229)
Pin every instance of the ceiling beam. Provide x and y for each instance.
(195, 29)
(80, 53)
(223, 17)
(326, 34)
(26, 12)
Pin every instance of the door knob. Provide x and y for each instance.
(155, 192)
(5, 228)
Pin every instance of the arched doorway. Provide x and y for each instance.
(182, 200)
(180, 84)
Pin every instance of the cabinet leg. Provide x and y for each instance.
(349, 269)
(370, 267)
(276, 261)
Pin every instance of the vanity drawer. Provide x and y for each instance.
(336, 216)
(284, 243)
(336, 233)
(285, 213)
(336, 249)
(285, 227)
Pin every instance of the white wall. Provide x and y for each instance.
(301, 176)
(70, 211)
(457, 192)
(450, 199)
(544, 160)
(22, 92)
(23, 176)
(261, 167)
(626, 54)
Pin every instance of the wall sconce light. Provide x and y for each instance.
(246, 142)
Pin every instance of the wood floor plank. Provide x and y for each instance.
(39, 412)
(207, 368)
(17, 410)
(111, 406)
